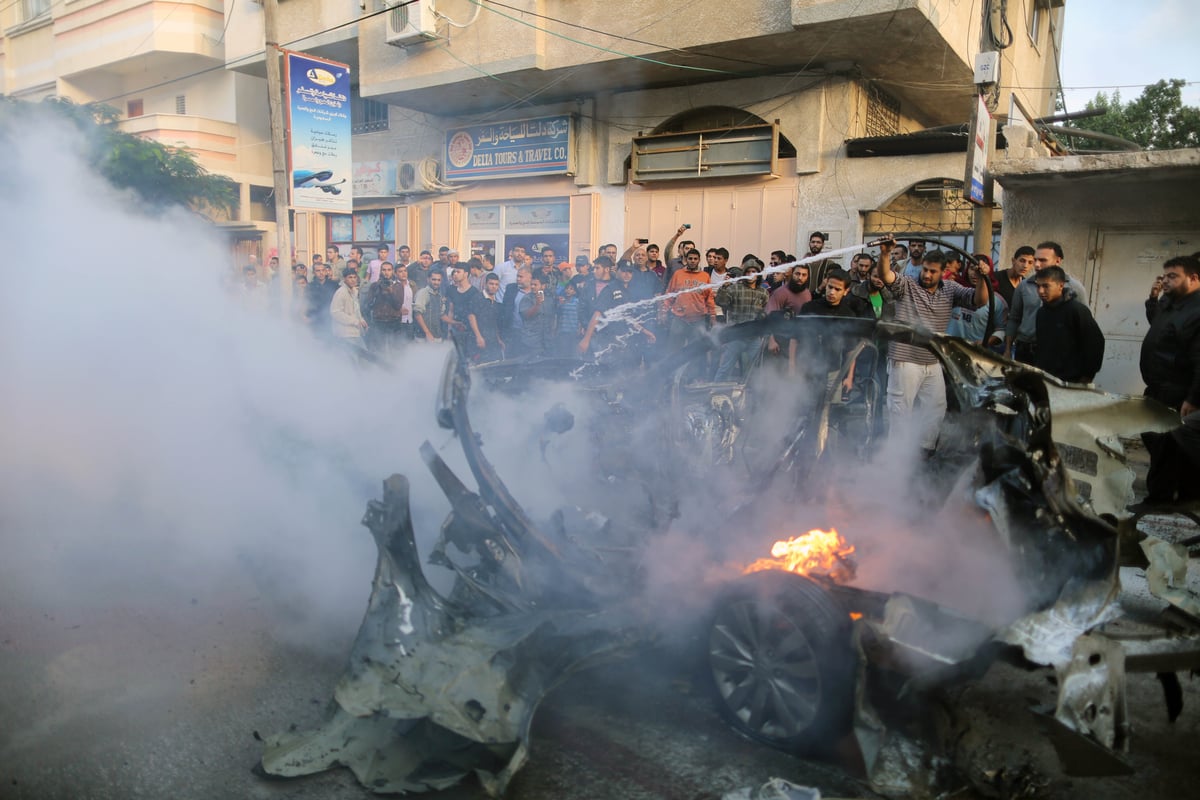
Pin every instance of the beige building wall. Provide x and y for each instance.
(933, 46)
(159, 65)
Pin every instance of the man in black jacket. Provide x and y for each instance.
(1070, 344)
(1170, 366)
(1170, 360)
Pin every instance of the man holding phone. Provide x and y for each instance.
(674, 264)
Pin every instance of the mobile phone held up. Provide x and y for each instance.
(643, 241)
(687, 224)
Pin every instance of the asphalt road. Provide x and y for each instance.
(164, 701)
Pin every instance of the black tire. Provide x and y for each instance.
(781, 662)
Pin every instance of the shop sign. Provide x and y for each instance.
(374, 178)
(318, 121)
(542, 146)
(978, 188)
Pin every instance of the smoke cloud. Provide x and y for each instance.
(158, 438)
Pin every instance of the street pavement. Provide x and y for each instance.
(163, 700)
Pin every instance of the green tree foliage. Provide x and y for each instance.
(159, 175)
(1157, 120)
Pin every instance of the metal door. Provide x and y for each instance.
(1124, 265)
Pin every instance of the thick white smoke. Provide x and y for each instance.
(157, 437)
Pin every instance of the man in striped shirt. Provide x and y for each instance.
(916, 386)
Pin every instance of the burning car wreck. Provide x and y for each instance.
(800, 648)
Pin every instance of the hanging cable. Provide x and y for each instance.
(452, 23)
(995, 24)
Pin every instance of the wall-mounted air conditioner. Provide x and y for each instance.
(414, 177)
(412, 23)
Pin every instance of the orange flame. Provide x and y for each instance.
(817, 551)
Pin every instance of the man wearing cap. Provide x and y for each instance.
(744, 299)
(451, 260)
(583, 266)
(615, 332)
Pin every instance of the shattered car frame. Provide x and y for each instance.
(440, 687)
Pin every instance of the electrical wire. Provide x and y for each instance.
(519, 21)
(250, 57)
(632, 39)
(997, 8)
(228, 19)
(150, 35)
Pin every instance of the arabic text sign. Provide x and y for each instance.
(374, 178)
(319, 127)
(977, 156)
(510, 149)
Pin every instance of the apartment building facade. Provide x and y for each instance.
(162, 66)
(481, 124)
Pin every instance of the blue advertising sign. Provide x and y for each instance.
(510, 149)
(319, 132)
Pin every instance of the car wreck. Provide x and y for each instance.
(441, 686)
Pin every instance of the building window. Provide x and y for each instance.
(180, 104)
(883, 112)
(262, 203)
(933, 206)
(1036, 20)
(367, 116)
(32, 9)
(367, 229)
(134, 108)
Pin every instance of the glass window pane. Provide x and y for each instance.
(366, 227)
(483, 218)
(341, 228)
(538, 215)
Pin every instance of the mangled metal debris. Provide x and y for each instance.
(441, 687)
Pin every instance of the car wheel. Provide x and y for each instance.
(781, 662)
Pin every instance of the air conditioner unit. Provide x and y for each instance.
(411, 24)
(413, 177)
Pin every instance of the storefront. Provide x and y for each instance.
(493, 229)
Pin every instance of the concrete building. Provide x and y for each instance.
(1141, 209)
(161, 64)
(756, 122)
(481, 124)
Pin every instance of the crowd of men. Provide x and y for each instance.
(626, 306)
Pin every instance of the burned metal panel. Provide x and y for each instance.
(1088, 427)
(439, 688)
